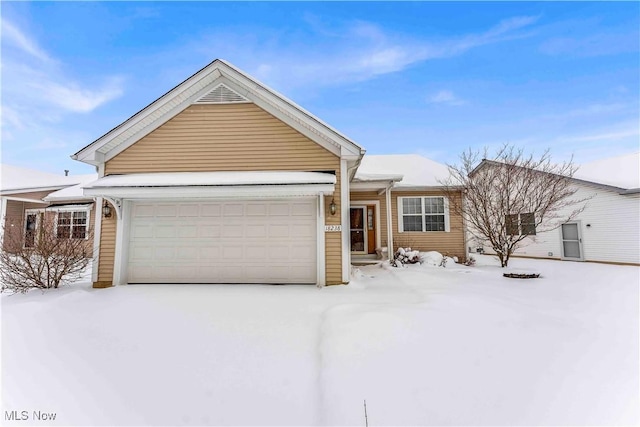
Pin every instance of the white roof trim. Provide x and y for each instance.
(33, 189)
(213, 192)
(75, 207)
(198, 85)
(183, 179)
(24, 199)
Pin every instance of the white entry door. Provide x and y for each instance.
(571, 241)
(253, 241)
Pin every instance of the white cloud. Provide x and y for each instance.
(358, 51)
(17, 38)
(35, 81)
(73, 98)
(445, 97)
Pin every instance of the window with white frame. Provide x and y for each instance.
(72, 224)
(423, 214)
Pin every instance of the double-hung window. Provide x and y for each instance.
(523, 224)
(72, 224)
(423, 214)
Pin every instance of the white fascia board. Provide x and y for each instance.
(66, 208)
(227, 192)
(33, 189)
(370, 185)
(24, 199)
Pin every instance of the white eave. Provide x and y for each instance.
(198, 86)
(179, 185)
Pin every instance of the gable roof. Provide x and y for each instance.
(414, 169)
(74, 192)
(619, 174)
(218, 82)
(17, 179)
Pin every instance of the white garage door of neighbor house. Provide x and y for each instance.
(223, 242)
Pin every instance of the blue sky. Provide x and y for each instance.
(414, 77)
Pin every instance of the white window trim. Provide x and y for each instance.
(447, 224)
(72, 209)
(28, 212)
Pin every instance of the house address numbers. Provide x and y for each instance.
(333, 228)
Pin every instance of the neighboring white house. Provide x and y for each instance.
(608, 230)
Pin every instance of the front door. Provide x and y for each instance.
(571, 241)
(358, 231)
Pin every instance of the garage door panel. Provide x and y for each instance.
(188, 211)
(187, 253)
(256, 231)
(187, 231)
(223, 242)
(303, 209)
(166, 210)
(233, 230)
(165, 230)
(210, 210)
(209, 230)
(233, 210)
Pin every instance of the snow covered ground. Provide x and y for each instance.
(423, 345)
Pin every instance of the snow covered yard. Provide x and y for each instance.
(423, 345)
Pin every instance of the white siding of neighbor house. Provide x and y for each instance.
(613, 235)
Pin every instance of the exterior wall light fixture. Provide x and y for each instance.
(106, 210)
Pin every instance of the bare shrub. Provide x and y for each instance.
(43, 258)
(512, 196)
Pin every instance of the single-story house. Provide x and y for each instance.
(608, 229)
(224, 180)
(27, 194)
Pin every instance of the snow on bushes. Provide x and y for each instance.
(430, 258)
(406, 256)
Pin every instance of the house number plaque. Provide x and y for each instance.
(333, 228)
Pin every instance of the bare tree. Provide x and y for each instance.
(44, 257)
(511, 197)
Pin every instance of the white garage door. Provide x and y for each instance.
(223, 242)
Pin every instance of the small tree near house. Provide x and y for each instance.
(512, 197)
(50, 255)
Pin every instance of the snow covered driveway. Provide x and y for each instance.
(423, 345)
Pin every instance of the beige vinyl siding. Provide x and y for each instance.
(232, 137)
(107, 248)
(15, 214)
(333, 240)
(451, 242)
(238, 137)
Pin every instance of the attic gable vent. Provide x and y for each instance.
(221, 95)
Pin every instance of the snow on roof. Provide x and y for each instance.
(620, 171)
(179, 179)
(74, 192)
(417, 170)
(14, 178)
